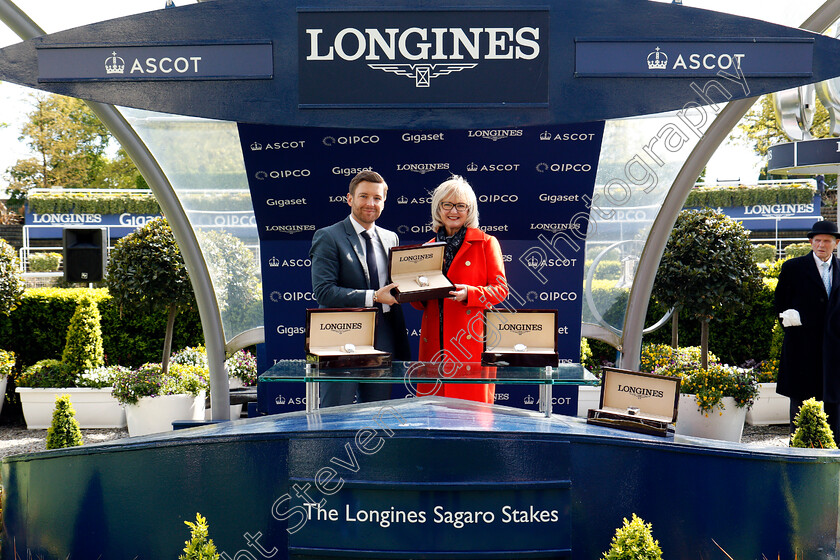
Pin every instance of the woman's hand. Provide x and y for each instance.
(460, 292)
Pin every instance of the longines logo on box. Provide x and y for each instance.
(341, 328)
(430, 57)
(417, 257)
(640, 392)
(520, 328)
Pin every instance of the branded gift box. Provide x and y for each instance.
(639, 402)
(417, 269)
(520, 337)
(343, 338)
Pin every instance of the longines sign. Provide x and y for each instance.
(423, 57)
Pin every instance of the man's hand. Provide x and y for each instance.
(383, 295)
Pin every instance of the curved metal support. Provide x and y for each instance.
(244, 339)
(598, 332)
(634, 319)
(208, 307)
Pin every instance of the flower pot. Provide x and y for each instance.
(724, 424)
(95, 408)
(769, 408)
(235, 412)
(152, 415)
(589, 396)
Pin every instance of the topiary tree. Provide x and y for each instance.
(146, 271)
(11, 279)
(64, 430)
(707, 269)
(83, 348)
(199, 547)
(812, 427)
(633, 541)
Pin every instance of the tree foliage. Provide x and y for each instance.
(200, 546)
(83, 347)
(11, 279)
(633, 541)
(69, 144)
(812, 430)
(707, 267)
(146, 271)
(760, 129)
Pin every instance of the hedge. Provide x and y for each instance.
(133, 203)
(749, 195)
(36, 330)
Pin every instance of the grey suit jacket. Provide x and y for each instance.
(339, 271)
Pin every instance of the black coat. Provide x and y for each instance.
(810, 361)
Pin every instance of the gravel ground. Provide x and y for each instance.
(16, 440)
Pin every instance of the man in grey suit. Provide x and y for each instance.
(350, 269)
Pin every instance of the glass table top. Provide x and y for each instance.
(432, 372)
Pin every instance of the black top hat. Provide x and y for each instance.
(824, 227)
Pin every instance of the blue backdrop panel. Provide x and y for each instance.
(532, 186)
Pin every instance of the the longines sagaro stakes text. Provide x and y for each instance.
(306, 502)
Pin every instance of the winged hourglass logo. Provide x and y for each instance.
(423, 73)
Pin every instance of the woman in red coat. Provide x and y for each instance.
(473, 262)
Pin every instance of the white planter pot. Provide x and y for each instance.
(152, 415)
(235, 412)
(95, 408)
(724, 424)
(769, 408)
(588, 397)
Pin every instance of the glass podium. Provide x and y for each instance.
(430, 373)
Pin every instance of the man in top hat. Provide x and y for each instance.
(807, 303)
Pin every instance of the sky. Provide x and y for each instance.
(730, 162)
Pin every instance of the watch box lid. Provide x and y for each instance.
(328, 329)
(408, 263)
(535, 328)
(640, 395)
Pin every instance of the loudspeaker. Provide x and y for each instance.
(84, 254)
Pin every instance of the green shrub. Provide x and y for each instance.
(812, 428)
(7, 362)
(634, 541)
(797, 250)
(83, 348)
(199, 547)
(130, 340)
(776, 339)
(11, 279)
(655, 356)
(763, 253)
(44, 262)
(749, 195)
(46, 374)
(773, 269)
(64, 430)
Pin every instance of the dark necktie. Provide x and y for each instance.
(370, 256)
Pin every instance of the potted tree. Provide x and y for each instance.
(155, 398)
(80, 374)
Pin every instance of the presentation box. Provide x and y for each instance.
(418, 271)
(638, 402)
(520, 337)
(343, 338)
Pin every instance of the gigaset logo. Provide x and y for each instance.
(428, 52)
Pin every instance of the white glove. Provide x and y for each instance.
(790, 318)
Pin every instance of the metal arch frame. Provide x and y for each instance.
(634, 317)
(208, 307)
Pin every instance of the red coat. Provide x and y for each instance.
(478, 264)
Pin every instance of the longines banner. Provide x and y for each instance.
(504, 61)
(532, 186)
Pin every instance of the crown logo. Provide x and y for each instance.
(273, 262)
(114, 64)
(472, 167)
(256, 147)
(529, 400)
(657, 60)
(402, 200)
(545, 135)
(533, 261)
(280, 400)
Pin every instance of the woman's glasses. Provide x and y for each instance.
(460, 207)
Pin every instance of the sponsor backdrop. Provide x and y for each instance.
(534, 186)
